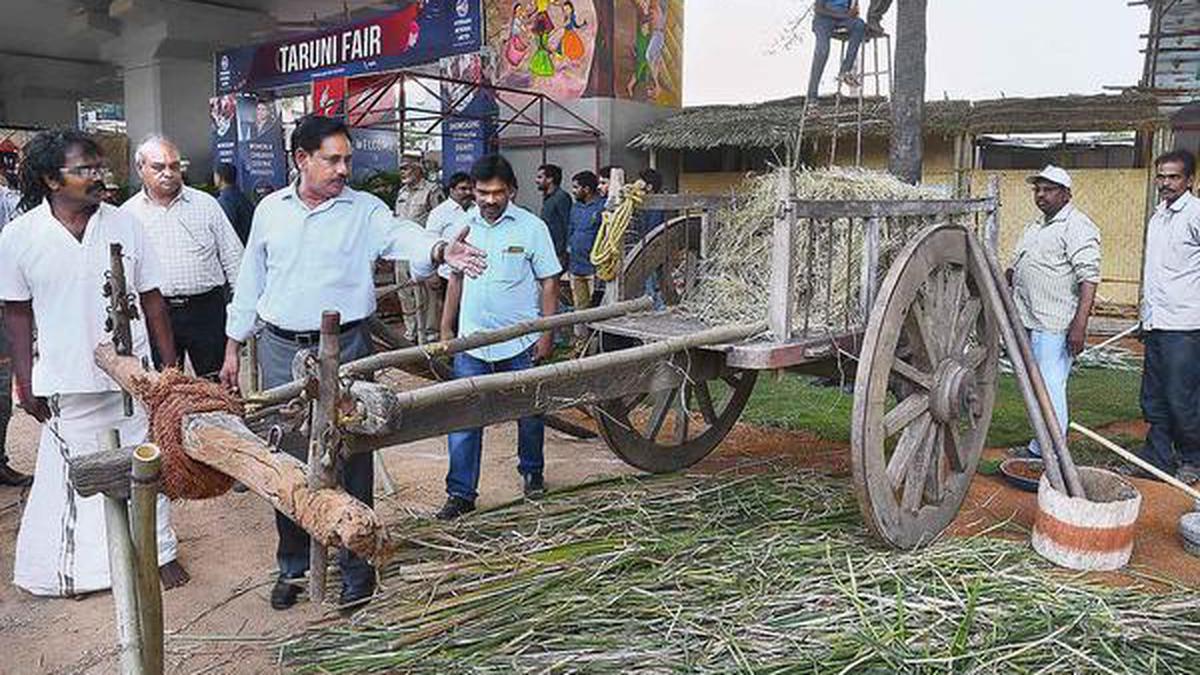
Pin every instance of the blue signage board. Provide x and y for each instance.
(420, 33)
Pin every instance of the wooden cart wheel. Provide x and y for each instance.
(675, 246)
(672, 429)
(924, 389)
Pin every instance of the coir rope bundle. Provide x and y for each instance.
(606, 251)
(168, 399)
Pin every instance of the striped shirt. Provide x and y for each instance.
(1171, 276)
(1051, 261)
(197, 247)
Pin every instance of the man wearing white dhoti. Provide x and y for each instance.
(53, 261)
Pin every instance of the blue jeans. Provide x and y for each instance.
(356, 473)
(1171, 398)
(823, 27)
(466, 446)
(1054, 360)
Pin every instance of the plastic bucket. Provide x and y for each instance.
(1087, 534)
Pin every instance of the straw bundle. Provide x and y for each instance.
(734, 278)
(718, 574)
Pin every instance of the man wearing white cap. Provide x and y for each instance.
(1054, 274)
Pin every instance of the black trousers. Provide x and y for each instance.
(5, 391)
(1171, 398)
(198, 322)
(356, 473)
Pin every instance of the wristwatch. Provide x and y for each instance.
(439, 252)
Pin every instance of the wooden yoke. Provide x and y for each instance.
(222, 441)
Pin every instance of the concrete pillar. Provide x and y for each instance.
(170, 97)
(164, 51)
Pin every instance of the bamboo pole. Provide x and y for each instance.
(122, 571)
(322, 441)
(562, 370)
(1139, 462)
(991, 290)
(1062, 453)
(120, 313)
(399, 357)
(147, 462)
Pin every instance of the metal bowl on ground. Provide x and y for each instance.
(1022, 473)
(1189, 531)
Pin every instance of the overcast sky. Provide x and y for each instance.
(977, 48)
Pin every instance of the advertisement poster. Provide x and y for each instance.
(262, 163)
(470, 123)
(247, 133)
(375, 151)
(222, 117)
(422, 32)
(328, 96)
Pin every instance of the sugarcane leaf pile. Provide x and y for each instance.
(771, 572)
(734, 276)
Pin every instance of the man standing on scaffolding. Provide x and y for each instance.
(830, 16)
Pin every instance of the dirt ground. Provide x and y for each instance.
(221, 622)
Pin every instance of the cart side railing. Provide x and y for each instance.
(819, 235)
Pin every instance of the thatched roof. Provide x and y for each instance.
(774, 123)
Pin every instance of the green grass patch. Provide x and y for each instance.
(1096, 398)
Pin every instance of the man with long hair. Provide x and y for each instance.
(53, 262)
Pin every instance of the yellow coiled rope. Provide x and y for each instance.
(607, 250)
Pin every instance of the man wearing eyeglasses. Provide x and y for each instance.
(198, 249)
(53, 262)
(1054, 274)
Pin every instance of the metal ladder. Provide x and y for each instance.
(882, 81)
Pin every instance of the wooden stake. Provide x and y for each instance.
(323, 440)
(122, 570)
(783, 274)
(144, 518)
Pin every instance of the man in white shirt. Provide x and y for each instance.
(443, 221)
(1171, 321)
(198, 249)
(53, 262)
(312, 248)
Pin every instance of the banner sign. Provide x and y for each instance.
(375, 151)
(247, 133)
(328, 96)
(422, 32)
(471, 111)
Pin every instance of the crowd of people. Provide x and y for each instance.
(206, 273)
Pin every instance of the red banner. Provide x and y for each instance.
(329, 97)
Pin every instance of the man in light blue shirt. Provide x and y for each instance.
(519, 284)
(312, 248)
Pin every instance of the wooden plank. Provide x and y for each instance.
(796, 352)
(780, 308)
(670, 202)
(105, 472)
(868, 281)
(470, 409)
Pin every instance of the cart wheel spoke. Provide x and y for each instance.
(924, 332)
(975, 357)
(704, 402)
(903, 414)
(952, 445)
(962, 325)
(934, 472)
(906, 449)
(910, 373)
(916, 471)
(662, 405)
